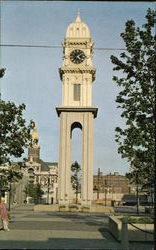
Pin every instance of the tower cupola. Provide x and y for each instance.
(77, 29)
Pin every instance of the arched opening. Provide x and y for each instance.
(75, 125)
(31, 171)
(31, 175)
(76, 161)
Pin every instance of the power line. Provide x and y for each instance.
(109, 49)
(29, 46)
(50, 46)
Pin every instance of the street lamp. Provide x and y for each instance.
(105, 187)
(48, 187)
(1, 185)
(10, 193)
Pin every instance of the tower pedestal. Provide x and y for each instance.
(84, 119)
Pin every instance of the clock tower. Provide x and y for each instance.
(76, 111)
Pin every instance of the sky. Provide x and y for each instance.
(32, 76)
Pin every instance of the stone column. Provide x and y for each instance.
(124, 235)
(64, 159)
(87, 159)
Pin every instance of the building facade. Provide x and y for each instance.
(39, 172)
(35, 171)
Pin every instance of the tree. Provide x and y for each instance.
(137, 98)
(75, 178)
(15, 135)
(29, 189)
(9, 175)
(38, 193)
(2, 72)
(34, 191)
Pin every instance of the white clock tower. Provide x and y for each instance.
(76, 111)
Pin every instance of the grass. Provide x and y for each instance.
(62, 206)
(73, 206)
(139, 220)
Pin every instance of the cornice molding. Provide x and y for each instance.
(93, 110)
(89, 70)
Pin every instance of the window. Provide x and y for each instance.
(76, 92)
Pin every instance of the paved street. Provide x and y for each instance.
(130, 209)
(56, 230)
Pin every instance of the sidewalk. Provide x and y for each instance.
(46, 230)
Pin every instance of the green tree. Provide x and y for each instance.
(75, 178)
(2, 72)
(29, 190)
(35, 191)
(38, 193)
(137, 98)
(9, 175)
(15, 135)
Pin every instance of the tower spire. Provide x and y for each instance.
(34, 149)
(34, 134)
(78, 19)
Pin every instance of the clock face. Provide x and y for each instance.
(77, 56)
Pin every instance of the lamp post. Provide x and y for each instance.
(0, 186)
(152, 196)
(105, 187)
(48, 187)
(10, 193)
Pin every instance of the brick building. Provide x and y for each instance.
(110, 187)
(115, 182)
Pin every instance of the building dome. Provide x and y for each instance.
(77, 29)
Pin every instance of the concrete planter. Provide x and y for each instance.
(101, 209)
(134, 234)
(85, 209)
(73, 208)
(46, 207)
(63, 208)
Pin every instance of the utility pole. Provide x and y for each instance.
(105, 186)
(1, 185)
(137, 193)
(10, 194)
(48, 188)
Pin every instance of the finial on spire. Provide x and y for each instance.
(78, 19)
(34, 134)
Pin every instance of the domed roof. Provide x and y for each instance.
(77, 29)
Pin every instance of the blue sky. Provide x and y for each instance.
(32, 73)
